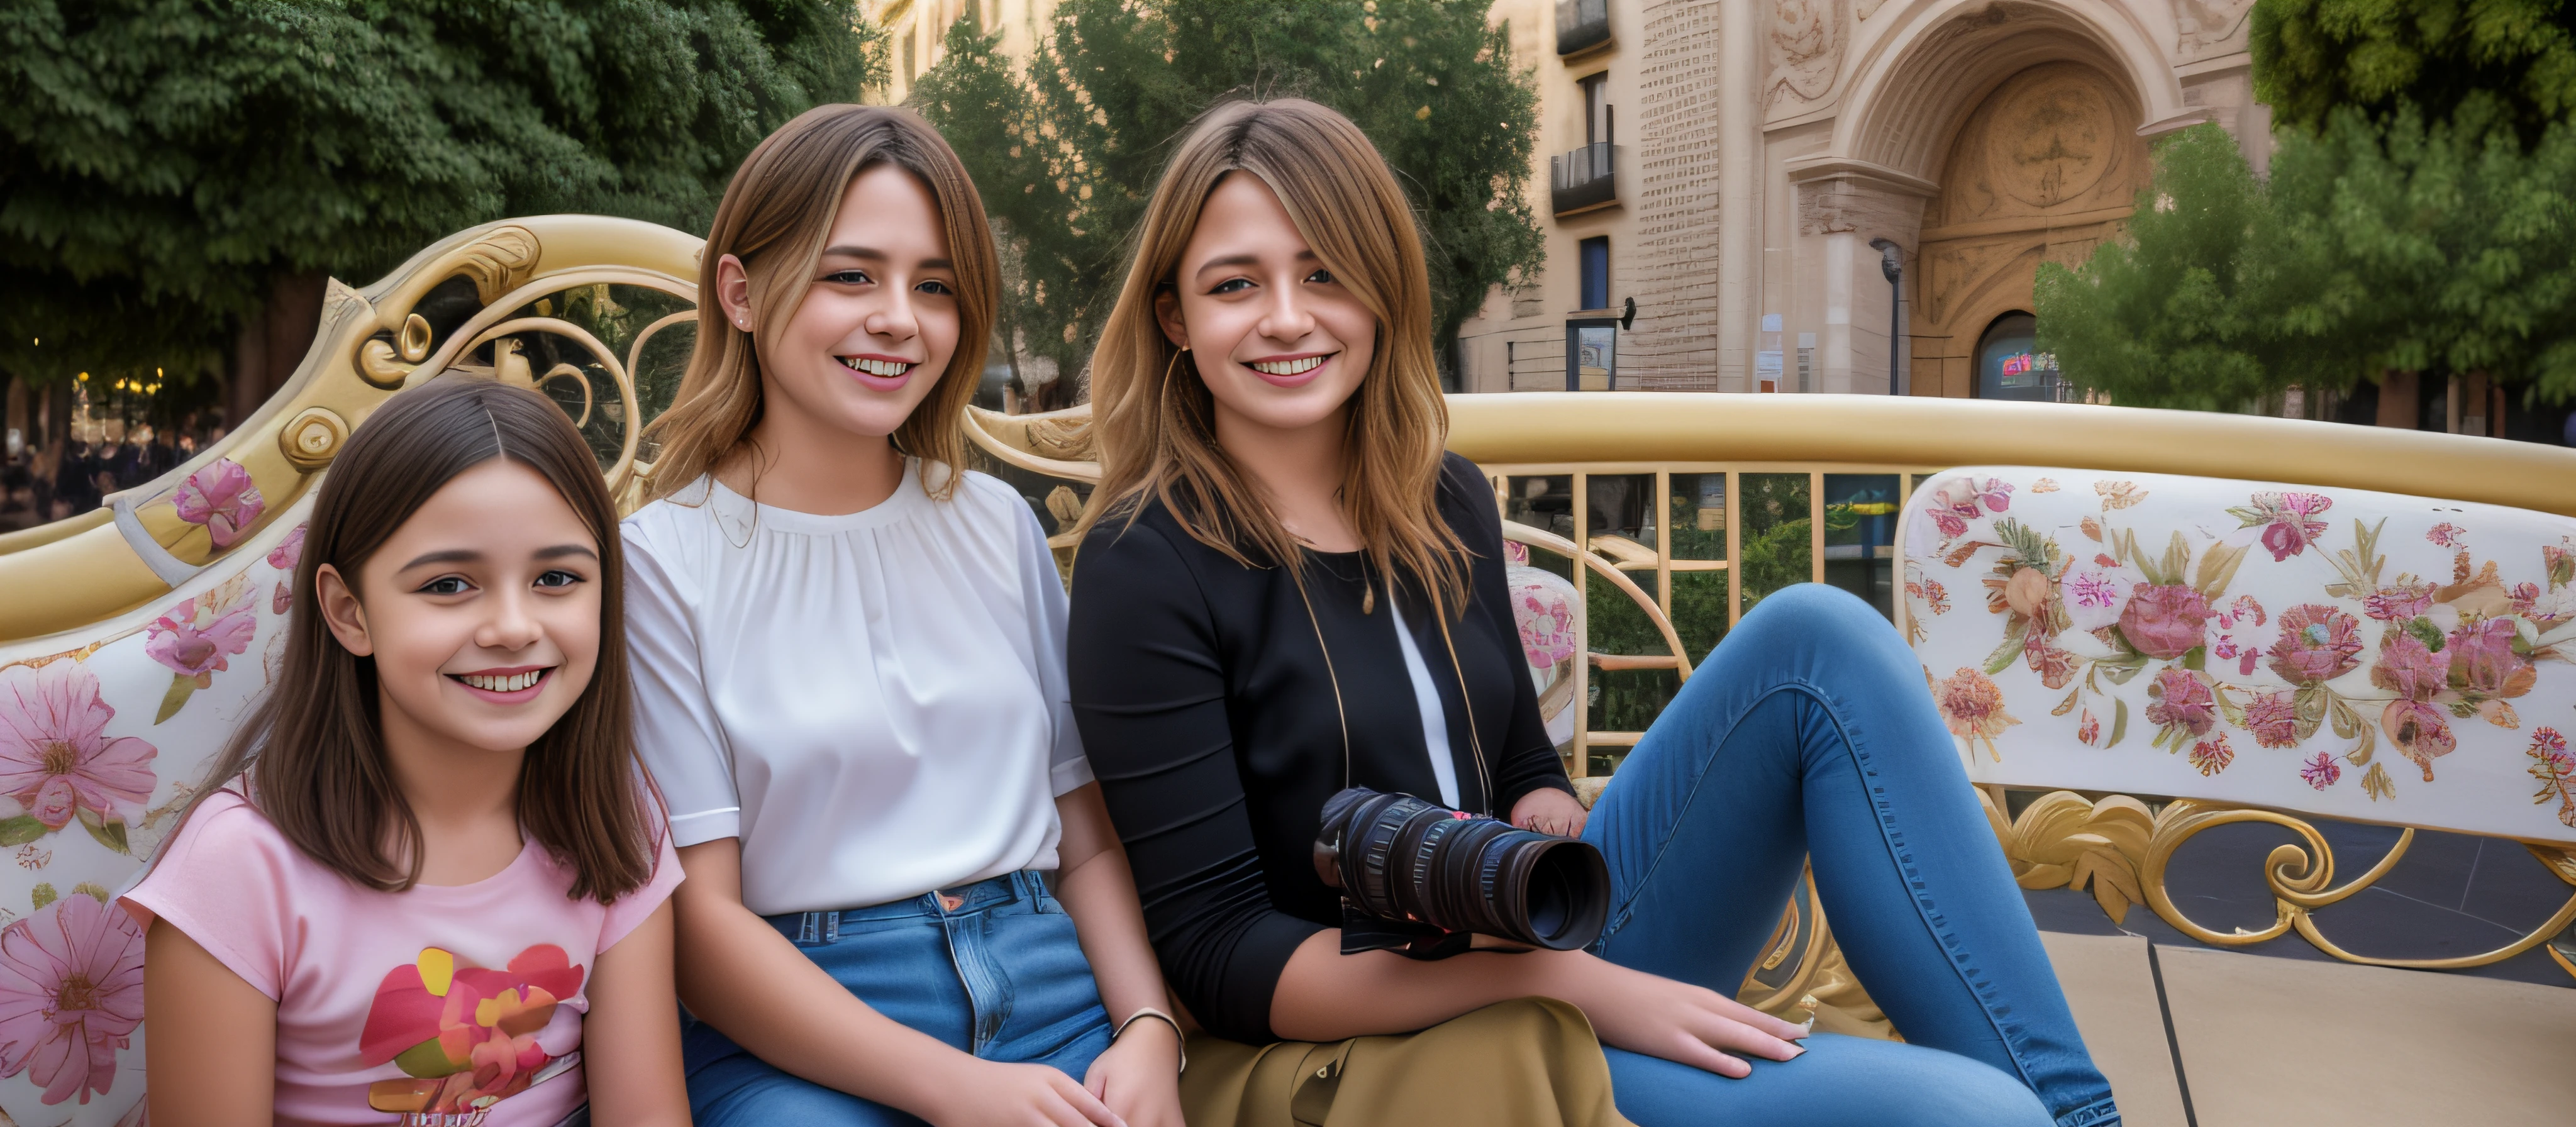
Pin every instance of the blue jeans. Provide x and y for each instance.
(1001, 975)
(1808, 734)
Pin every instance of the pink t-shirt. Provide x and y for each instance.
(454, 1005)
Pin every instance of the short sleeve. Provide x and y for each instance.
(1068, 769)
(630, 911)
(226, 881)
(676, 731)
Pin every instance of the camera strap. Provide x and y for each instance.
(1475, 740)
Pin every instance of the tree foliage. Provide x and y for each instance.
(1069, 142)
(2312, 57)
(162, 160)
(2439, 247)
(2420, 216)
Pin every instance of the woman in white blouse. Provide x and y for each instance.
(849, 661)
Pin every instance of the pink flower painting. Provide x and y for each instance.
(2556, 770)
(2212, 756)
(221, 497)
(1547, 626)
(2288, 520)
(71, 995)
(2164, 621)
(1973, 708)
(2089, 731)
(2399, 602)
(2184, 706)
(2274, 720)
(194, 639)
(2484, 665)
(290, 552)
(2409, 668)
(2420, 731)
(2318, 643)
(56, 757)
(2447, 535)
(2321, 771)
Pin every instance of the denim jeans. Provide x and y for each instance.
(1000, 975)
(1808, 734)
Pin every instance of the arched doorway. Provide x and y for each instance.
(2009, 364)
(2045, 168)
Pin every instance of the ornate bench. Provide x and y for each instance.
(132, 640)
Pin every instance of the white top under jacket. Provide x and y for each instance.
(874, 703)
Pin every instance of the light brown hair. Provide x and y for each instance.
(313, 750)
(1156, 416)
(774, 218)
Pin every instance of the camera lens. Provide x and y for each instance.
(1401, 859)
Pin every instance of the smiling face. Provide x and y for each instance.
(875, 330)
(482, 612)
(1280, 344)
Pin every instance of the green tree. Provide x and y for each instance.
(1083, 126)
(172, 170)
(2312, 57)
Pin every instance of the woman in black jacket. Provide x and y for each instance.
(1267, 397)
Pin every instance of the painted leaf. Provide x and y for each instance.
(2217, 569)
(43, 894)
(2119, 723)
(182, 686)
(20, 830)
(109, 834)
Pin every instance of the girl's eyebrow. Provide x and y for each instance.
(872, 254)
(1248, 260)
(469, 555)
(451, 555)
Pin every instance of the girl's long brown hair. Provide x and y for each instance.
(313, 750)
(1157, 430)
(775, 216)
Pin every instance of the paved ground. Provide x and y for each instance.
(2193, 1036)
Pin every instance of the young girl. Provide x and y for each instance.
(1268, 398)
(852, 657)
(431, 887)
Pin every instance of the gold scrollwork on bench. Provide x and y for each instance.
(2123, 852)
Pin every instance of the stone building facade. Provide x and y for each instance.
(1714, 173)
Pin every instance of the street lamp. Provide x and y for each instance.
(1891, 262)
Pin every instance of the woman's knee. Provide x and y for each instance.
(1839, 1081)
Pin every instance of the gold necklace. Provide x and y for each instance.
(1475, 740)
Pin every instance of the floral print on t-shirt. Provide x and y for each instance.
(466, 1036)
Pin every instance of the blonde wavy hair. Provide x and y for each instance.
(775, 217)
(1155, 416)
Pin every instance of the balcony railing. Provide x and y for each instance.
(1581, 25)
(1584, 179)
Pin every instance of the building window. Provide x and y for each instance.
(1595, 256)
(1596, 109)
(2010, 365)
(1592, 354)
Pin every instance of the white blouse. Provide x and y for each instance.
(874, 703)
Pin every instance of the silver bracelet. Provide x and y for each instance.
(1158, 1015)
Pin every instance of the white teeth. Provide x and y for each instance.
(503, 684)
(1288, 367)
(876, 367)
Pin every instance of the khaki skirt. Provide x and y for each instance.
(1534, 1062)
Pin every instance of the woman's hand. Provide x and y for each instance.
(1139, 1077)
(982, 1092)
(1677, 1021)
(1550, 811)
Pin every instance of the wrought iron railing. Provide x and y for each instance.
(1584, 179)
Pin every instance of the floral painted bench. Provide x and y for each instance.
(2248, 652)
(2255, 652)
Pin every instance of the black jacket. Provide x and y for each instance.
(1208, 713)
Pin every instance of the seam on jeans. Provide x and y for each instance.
(1882, 803)
(1627, 909)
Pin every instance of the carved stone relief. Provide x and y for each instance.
(2211, 27)
(2055, 138)
(1806, 48)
